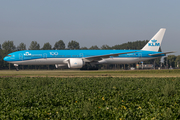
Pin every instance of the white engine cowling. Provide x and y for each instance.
(75, 63)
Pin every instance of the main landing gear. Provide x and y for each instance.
(89, 67)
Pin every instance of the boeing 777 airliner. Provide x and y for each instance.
(78, 58)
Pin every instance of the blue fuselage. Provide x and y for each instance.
(35, 57)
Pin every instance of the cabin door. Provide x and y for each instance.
(140, 55)
(20, 56)
(81, 55)
(44, 55)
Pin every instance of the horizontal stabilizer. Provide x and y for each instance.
(161, 53)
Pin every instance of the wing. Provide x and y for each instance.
(100, 57)
(161, 53)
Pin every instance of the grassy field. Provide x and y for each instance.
(99, 73)
(89, 98)
(102, 94)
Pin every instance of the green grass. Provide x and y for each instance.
(89, 98)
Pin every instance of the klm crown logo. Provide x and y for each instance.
(154, 43)
(153, 40)
(27, 53)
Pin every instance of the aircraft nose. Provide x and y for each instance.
(6, 58)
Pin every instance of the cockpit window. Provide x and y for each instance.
(9, 55)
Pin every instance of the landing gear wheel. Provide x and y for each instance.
(89, 68)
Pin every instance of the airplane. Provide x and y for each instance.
(80, 58)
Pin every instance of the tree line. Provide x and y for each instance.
(8, 47)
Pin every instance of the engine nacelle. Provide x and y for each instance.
(75, 63)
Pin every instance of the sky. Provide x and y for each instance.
(90, 22)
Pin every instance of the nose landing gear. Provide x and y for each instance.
(16, 66)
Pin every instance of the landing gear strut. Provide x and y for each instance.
(16, 68)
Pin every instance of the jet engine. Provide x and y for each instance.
(75, 63)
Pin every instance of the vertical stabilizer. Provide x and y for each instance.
(155, 42)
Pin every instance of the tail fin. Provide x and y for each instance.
(155, 42)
